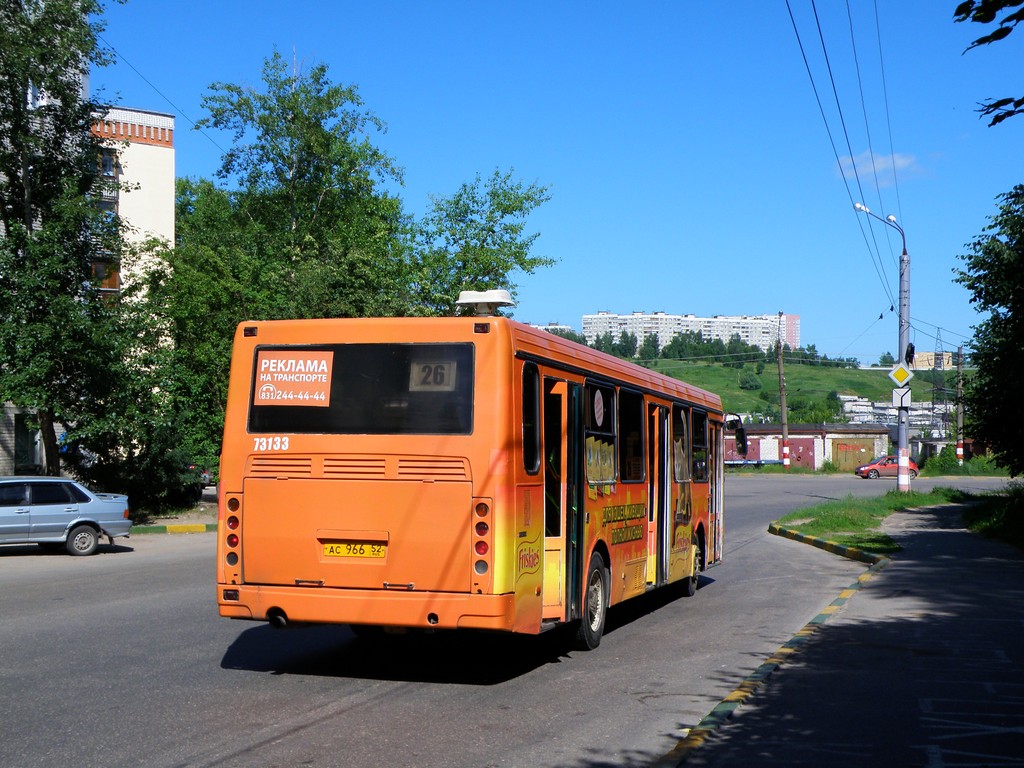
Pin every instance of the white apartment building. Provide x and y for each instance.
(759, 330)
(139, 155)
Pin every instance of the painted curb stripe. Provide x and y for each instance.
(717, 716)
(176, 528)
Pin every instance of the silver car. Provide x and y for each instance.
(55, 512)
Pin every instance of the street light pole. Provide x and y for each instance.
(903, 429)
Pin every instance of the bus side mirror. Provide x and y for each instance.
(741, 441)
(736, 425)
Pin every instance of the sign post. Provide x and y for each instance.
(901, 376)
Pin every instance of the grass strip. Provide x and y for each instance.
(999, 515)
(854, 522)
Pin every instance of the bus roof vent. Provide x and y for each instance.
(485, 302)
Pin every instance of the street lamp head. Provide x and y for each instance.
(861, 207)
(891, 219)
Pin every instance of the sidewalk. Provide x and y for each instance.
(923, 665)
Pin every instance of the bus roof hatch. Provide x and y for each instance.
(485, 302)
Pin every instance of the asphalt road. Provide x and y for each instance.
(121, 659)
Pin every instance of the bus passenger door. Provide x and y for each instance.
(562, 529)
(715, 507)
(658, 521)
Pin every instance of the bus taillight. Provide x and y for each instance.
(482, 530)
(233, 523)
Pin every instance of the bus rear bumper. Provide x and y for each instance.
(427, 610)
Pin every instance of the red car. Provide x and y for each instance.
(883, 466)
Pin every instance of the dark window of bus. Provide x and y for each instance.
(531, 418)
(700, 447)
(552, 459)
(631, 436)
(599, 426)
(680, 444)
(374, 389)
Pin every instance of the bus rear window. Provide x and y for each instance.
(376, 389)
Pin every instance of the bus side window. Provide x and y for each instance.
(680, 444)
(631, 437)
(599, 428)
(700, 447)
(531, 418)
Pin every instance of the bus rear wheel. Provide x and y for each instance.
(690, 585)
(595, 605)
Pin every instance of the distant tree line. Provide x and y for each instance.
(691, 346)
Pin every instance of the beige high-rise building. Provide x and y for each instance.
(139, 155)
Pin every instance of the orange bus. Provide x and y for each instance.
(461, 472)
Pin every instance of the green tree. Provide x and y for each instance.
(887, 360)
(55, 341)
(605, 342)
(749, 380)
(474, 240)
(307, 180)
(987, 12)
(625, 346)
(220, 274)
(649, 348)
(994, 275)
(579, 338)
(131, 437)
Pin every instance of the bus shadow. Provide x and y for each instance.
(465, 657)
(631, 610)
(460, 657)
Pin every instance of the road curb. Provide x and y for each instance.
(175, 528)
(724, 710)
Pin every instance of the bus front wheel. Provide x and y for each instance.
(595, 605)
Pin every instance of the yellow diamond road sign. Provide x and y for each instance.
(901, 375)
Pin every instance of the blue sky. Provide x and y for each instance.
(690, 167)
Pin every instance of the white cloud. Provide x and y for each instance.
(886, 168)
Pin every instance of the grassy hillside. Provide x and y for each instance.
(803, 381)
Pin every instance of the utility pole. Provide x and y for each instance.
(782, 400)
(906, 354)
(903, 435)
(960, 405)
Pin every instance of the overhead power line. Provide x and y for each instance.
(177, 110)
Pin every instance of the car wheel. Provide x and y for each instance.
(913, 474)
(873, 474)
(82, 540)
